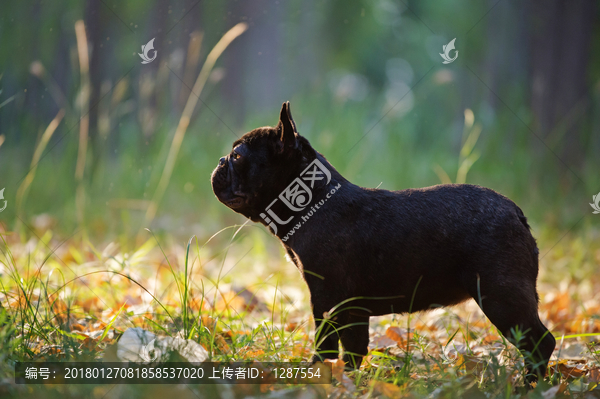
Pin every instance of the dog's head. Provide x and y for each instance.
(260, 165)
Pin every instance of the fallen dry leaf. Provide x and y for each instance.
(386, 389)
(91, 344)
(399, 335)
(382, 342)
(77, 327)
(209, 323)
(254, 354)
(490, 339)
(569, 368)
(221, 343)
(337, 371)
(594, 375)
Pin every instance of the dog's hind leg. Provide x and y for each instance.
(513, 310)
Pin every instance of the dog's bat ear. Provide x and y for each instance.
(287, 140)
(289, 114)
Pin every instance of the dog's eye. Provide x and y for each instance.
(235, 155)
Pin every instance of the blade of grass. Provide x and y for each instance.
(184, 301)
(109, 325)
(84, 67)
(186, 116)
(46, 136)
(577, 335)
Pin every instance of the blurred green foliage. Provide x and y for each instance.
(365, 80)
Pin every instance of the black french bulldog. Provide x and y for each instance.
(368, 252)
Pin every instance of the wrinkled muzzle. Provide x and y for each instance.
(221, 181)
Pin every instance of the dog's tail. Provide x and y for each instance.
(536, 252)
(522, 217)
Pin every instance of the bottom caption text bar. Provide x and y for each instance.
(171, 373)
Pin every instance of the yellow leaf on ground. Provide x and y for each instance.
(221, 344)
(386, 389)
(77, 327)
(399, 335)
(490, 339)
(254, 354)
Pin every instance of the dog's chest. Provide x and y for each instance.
(291, 256)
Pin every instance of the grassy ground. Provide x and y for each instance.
(68, 299)
(70, 288)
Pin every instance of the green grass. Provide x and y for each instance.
(197, 291)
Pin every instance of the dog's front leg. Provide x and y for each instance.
(355, 340)
(327, 326)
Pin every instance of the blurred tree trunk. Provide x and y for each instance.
(35, 86)
(191, 29)
(561, 33)
(93, 27)
(253, 62)
(233, 58)
(506, 60)
(151, 87)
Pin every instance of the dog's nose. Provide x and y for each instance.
(222, 161)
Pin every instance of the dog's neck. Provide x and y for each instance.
(286, 214)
